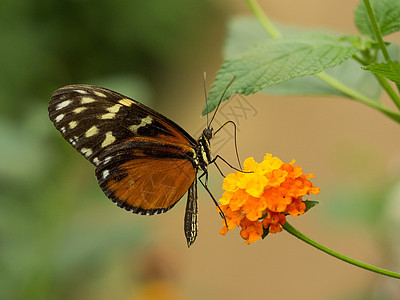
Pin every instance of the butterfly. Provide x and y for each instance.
(144, 162)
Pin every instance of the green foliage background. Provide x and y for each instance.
(51, 245)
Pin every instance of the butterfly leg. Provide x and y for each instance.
(218, 168)
(221, 158)
(235, 138)
(221, 213)
(206, 181)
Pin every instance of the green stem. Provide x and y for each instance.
(289, 228)
(378, 35)
(388, 88)
(265, 22)
(356, 95)
(383, 82)
(377, 31)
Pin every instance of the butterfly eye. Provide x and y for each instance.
(208, 133)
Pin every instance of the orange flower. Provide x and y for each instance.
(251, 230)
(274, 221)
(258, 198)
(233, 218)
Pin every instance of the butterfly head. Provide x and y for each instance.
(208, 133)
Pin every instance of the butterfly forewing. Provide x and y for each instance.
(91, 118)
(145, 162)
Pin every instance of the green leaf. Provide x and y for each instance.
(310, 204)
(246, 32)
(242, 34)
(274, 61)
(387, 13)
(349, 73)
(390, 71)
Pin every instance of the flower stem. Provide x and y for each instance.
(289, 228)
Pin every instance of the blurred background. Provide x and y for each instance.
(61, 238)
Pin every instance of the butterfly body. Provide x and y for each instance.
(144, 162)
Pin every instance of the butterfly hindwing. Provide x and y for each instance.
(144, 175)
(145, 162)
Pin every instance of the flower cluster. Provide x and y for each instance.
(258, 198)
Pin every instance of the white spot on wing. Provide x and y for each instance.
(73, 124)
(73, 140)
(79, 109)
(107, 159)
(96, 161)
(63, 104)
(126, 102)
(105, 174)
(86, 100)
(99, 94)
(143, 123)
(108, 140)
(86, 151)
(62, 129)
(108, 116)
(81, 92)
(59, 118)
(114, 109)
(92, 131)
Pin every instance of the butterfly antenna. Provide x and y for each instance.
(205, 94)
(220, 100)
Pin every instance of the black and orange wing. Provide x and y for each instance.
(144, 161)
(144, 175)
